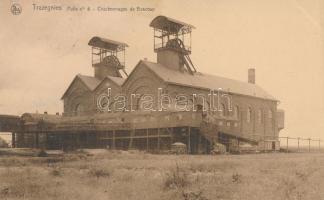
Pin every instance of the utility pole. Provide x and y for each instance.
(319, 145)
(309, 141)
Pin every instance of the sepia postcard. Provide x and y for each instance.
(161, 100)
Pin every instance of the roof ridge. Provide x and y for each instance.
(205, 74)
(208, 81)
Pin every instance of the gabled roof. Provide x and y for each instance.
(206, 81)
(117, 80)
(90, 82)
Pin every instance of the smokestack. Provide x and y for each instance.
(251, 75)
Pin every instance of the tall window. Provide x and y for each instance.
(270, 115)
(236, 112)
(260, 116)
(222, 110)
(248, 115)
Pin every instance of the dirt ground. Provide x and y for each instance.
(101, 174)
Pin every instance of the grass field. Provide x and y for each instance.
(139, 176)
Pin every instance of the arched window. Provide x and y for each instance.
(236, 112)
(260, 120)
(79, 109)
(145, 102)
(248, 115)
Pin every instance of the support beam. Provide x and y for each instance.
(61, 139)
(114, 140)
(147, 140)
(158, 142)
(309, 147)
(199, 143)
(13, 140)
(319, 144)
(22, 144)
(78, 141)
(189, 135)
(37, 140)
(131, 138)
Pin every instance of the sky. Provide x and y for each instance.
(42, 51)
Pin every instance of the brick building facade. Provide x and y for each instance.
(245, 112)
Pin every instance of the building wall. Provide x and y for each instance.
(142, 81)
(79, 94)
(263, 122)
(261, 125)
(102, 89)
(78, 100)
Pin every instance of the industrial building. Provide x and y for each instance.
(156, 105)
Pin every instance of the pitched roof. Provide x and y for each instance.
(206, 81)
(90, 82)
(118, 80)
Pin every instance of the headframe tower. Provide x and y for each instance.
(172, 43)
(108, 57)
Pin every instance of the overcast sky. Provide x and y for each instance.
(41, 52)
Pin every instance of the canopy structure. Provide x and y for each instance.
(107, 44)
(169, 25)
(103, 48)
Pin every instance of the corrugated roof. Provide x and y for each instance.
(106, 43)
(168, 24)
(206, 81)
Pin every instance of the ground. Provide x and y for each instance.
(132, 175)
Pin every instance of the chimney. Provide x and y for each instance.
(251, 75)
